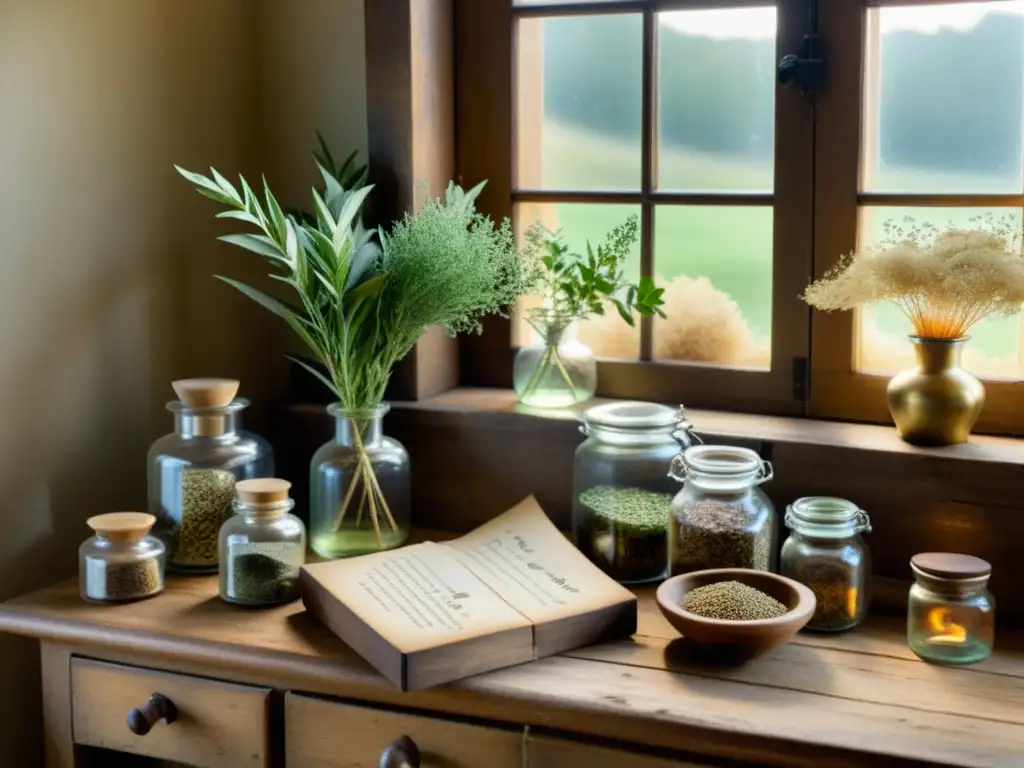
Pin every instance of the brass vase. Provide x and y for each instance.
(939, 402)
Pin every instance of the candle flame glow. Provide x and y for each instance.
(940, 621)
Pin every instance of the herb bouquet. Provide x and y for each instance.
(945, 281)
(572, 286)
(360, 305)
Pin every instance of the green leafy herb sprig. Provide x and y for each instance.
(576, 286)
(360, 306)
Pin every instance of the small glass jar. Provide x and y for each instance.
(721, 518)
(193, 470)
(950, 613)
(358, 487)
(263, 546)
(621, 489)
(121, 562)
(557, 370)
(826, 553)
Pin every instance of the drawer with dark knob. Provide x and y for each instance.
(329, 734)
(192, 720)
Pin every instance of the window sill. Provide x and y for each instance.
(476, 452)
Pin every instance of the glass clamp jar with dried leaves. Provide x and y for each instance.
(362, 299)
(945, 281)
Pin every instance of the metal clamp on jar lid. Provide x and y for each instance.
(721, 468)
(629, 416)
(205, 405)
(827, 517)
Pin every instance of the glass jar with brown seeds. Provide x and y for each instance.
(121, 563)
(193, 471)
(721, 518)
(825, 552)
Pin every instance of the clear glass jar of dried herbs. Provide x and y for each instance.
(193, 470)
(263, 546)
(121, 562)
(621, 488)
(825, 552)
(721, 518)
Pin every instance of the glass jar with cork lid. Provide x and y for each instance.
(263, 546)
(950, 612)
(121, 562)
(193, 470)
(721, 518)
(621, 488)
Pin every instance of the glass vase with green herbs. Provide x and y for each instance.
(558, 371)
(360, 300)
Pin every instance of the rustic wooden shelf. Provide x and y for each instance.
(851, 699)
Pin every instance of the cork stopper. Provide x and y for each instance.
(206, 393)
(946, 565)
(122, 527)
(264, 490)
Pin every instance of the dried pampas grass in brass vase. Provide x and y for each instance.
(944, 281)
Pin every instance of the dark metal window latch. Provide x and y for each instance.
(804, 71)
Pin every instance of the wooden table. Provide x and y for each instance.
(259, 678)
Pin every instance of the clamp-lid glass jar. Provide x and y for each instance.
(193, 470)
(121, 562)
(826, 553)
(621, 488)
(950, 613)
(721, 518)
(263, 546)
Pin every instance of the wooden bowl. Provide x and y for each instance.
(746, 638)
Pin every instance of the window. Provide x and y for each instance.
(923, 117)
(582, 112)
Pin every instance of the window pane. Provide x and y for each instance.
(717, 99)
(715, 263)
(579, 99)
(993, 350)
(608, 336)
(943, 98)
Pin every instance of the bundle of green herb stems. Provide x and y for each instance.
(361, 298)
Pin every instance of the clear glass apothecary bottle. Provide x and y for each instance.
(121, 562)
(721, 518)
(193, 470)
(621, 488)
(950, 612)
(557, 370)
(358, 487)
(825, 552)
(263, 546)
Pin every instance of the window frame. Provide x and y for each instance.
(837, 390)
(485, 130)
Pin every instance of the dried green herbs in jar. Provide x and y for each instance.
(259, 579)
(624, 531)
(732, 601)
(717, 534)
(839, 601)
(206, 496)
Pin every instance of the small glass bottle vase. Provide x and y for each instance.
(359, 487)
(262, 547)
(826, 553)
(121, 562)
(557, 370)
(950, 613)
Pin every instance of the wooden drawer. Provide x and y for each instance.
(327, 734)
(219, 725)
(550, 752)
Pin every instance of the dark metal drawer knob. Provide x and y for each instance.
(400, 753)
(159, 707)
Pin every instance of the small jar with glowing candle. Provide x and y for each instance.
(950, 614)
